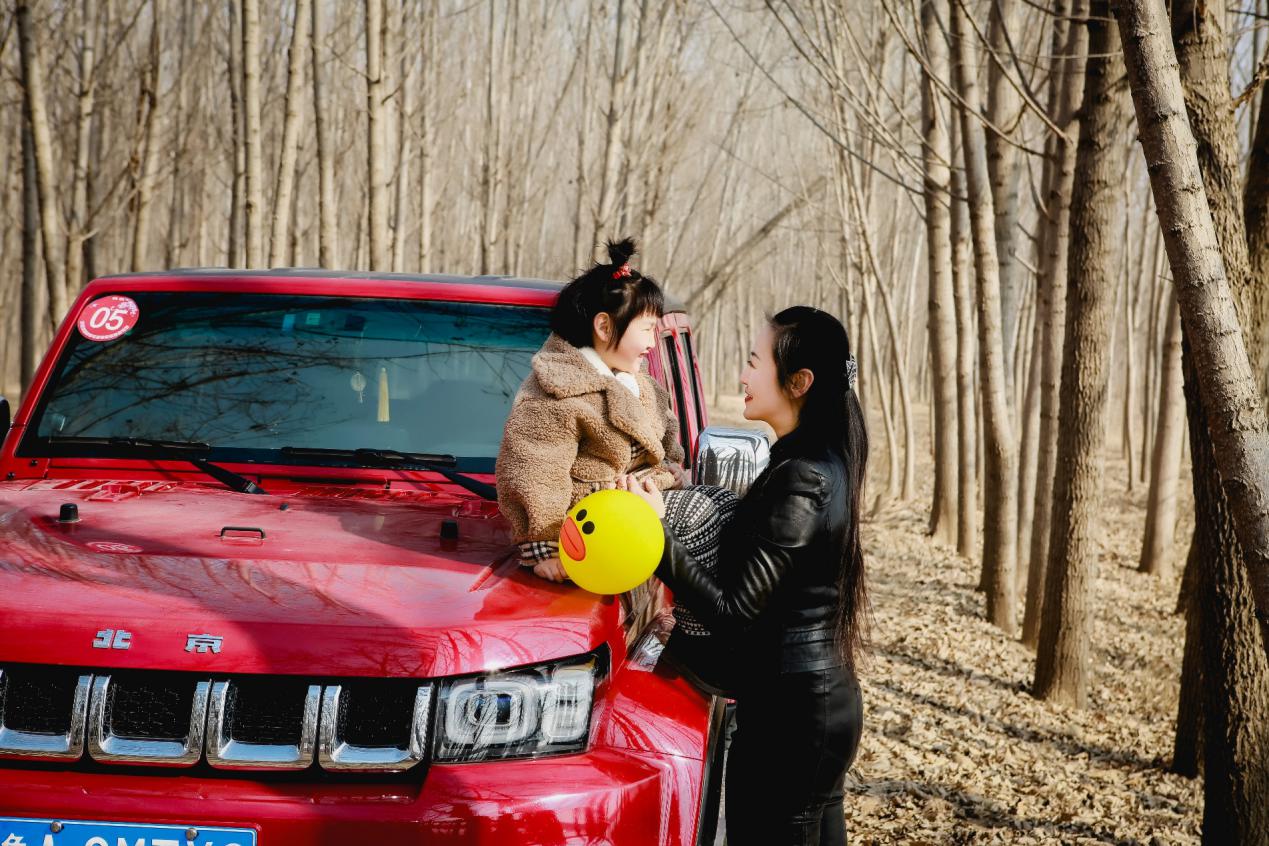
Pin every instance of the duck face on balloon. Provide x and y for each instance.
(611, 542)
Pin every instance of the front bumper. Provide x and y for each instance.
(602, 796)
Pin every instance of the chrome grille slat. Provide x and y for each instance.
(46, 746)
(335, 754)
(224, 752)
(106, 746)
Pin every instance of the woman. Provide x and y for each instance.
(792, 596)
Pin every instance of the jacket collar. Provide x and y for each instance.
(794, 443)
(563, 372)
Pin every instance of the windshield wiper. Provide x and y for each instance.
(434, 462)
(176, 451)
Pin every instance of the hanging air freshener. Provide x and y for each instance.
(358, 383)
(384, 397)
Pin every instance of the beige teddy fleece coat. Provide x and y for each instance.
(570, 432)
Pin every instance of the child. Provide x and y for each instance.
(587, 414)
(588, 418)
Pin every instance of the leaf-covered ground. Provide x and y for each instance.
(956, 750)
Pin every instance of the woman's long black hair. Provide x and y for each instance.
(810, 339)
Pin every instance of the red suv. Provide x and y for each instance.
(256, 589)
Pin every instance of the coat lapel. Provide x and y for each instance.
(564, 372)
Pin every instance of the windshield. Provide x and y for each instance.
(253, 373)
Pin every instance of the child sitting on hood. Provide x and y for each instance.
(588, 415)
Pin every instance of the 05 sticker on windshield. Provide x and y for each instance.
(107, 318)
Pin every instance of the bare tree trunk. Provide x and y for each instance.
(327, 239)
(147, 169)
(907, 480)
(1156, 548)
(234, 251)
(1001, 458)
(405, 62)
(887, 417)
(1002, 167)
(426, 137)
(376, 93)
(1127, 439)
(1256, 218)
(1209, 319)
(1065, 93)
(1196, 182)
(937, 153)
(97, 141)
(1062, 655)
(85, 97)
(1188, 744)
(34, 306)
(285, 182)
(253, 200)
(1029, 419)
(615, 118)
(966, 417)
(33, 101)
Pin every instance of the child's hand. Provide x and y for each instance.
(645, 489)
(550, 569)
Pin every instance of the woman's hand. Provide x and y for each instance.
(551, 569)
(681, 479)
(645, 489)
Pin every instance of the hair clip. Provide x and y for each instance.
(621, 272)
(851, 372)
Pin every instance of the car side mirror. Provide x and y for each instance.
(731, 458)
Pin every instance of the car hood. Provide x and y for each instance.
(332, 582)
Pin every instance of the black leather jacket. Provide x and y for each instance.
(776, 595)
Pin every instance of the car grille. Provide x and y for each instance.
(267, 711)
(38, 700)
(143, 706)
(231, 723)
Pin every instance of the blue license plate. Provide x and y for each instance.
(16, 831)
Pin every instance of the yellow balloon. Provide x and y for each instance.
(611, 542)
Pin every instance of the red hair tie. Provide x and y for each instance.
(621, 272)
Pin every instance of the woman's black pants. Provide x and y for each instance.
(795, 737)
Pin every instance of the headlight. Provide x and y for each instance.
(522, 713)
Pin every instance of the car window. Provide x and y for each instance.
(676, 381)
(692, 377)
(252, 373)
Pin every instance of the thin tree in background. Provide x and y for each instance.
(33, 312)
(1001, 459)
(405, 133)
(376, 144)
(327, 238)
(1161, 499)
(936, 157)
(1066, 90)
(33, 101)
(235, 249)
(1062, 656)
(614, 130)
(966, 418)
(293, 115)
(77, 225)
(1003, 103)
(253, 181)
(490, 150)
(148, 163)
(427, 132)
